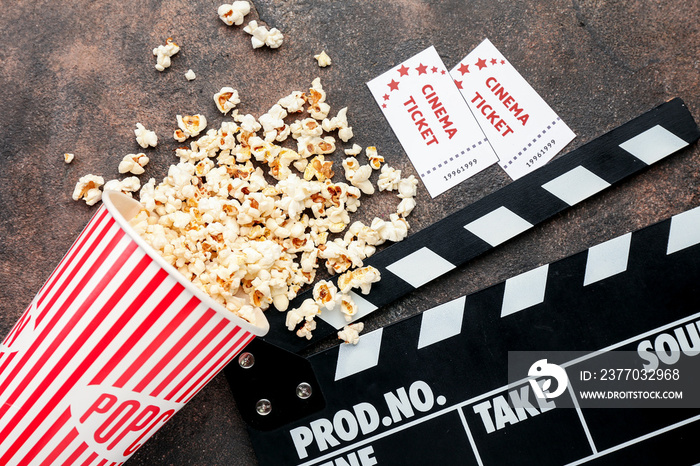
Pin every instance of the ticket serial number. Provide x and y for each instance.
(459, 170)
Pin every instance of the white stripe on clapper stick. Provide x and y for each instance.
(576, 185)
(653, 144)
(498, 226)
(685, 231)
(420, 267)
(607, 259)
(441, 322)
(357, 358)
(524, 290)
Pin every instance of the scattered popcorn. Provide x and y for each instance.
(294, 102)
(273, 125)
(406, 206)
(251, 244)
(144, 137)
(348, 307)
(133, 163)
(68, 158)
(407, 187)
(351, 333)
(359, 278)
(396, 229)
(164, 52)
(234, 13)
(389, 179)
(323, 59)
(354, 151)
(273, 38)
(339, 122)
(318, 108)
(307, 311)
(190, 126)
(306, 329)
(88, 188)
(190, 75)
(375, 160)
(325, 294)
(127, 185)
(360, 179)
(226, 99)
(319, 168)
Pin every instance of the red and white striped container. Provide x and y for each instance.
(114, 344)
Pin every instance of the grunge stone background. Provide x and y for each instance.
(76, 76)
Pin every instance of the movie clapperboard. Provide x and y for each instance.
(435, 388)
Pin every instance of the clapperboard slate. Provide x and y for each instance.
(425, 390)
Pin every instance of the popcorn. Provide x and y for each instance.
(133, 163)
(261, 36)
(351, 333)
(348, 307)
(189, 75)
(375, 160)
(389, 179)
(396, 229)
(144, 137)
(306, 329)
(407, 187)
(248, 123)
(88, 188)
(307, 311)
(339, 122)
(294, 102)
(274, 38)
(359, 278)
(360, 179)
(233, 13)
(226, 99)
(323, 59)
(319, 168)
(273, 125)
(326, 295)
(318, 108)
(406, 206)
(355, 150)
(68, 158)
(190, 125)
(164, 52)
(127, 185)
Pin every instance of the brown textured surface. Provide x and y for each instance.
(76, 77)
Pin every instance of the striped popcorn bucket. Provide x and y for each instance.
(112, 346)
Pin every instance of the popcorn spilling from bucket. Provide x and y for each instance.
(250, 243)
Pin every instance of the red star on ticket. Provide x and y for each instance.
(386, 96)
(494, 61)
(503, 62)
(393, 85)
(463, 68)
(459, 84)
(403, 70)
(422, 69)
(481, 63)
(434, 70)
